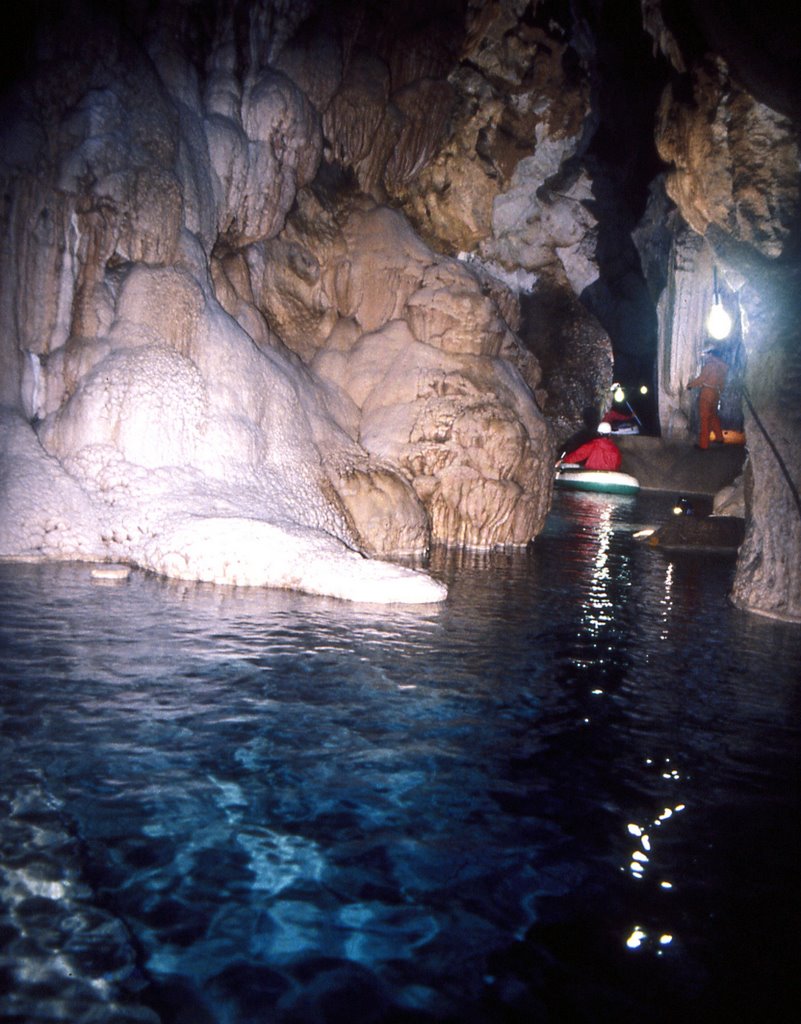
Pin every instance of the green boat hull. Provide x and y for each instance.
(603, 481)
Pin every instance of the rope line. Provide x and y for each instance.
(775, 450)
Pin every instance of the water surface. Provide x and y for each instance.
(569, 793)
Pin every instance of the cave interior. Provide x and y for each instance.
(559, 186)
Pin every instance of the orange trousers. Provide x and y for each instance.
(708, 411)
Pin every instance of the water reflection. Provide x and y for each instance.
(667, 601)
(505, 807)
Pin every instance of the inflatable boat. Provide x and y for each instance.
(606, 480)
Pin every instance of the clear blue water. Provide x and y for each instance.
(570, 793)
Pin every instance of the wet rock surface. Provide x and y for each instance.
(180, 176)
(62, 957)
(700, 534)
(732, 140)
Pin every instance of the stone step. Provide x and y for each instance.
(667, 464)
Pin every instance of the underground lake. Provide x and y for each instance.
(570, 792)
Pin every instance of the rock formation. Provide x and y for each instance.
(287, 291)
(429, 371)
(734, 180)
(198, 388)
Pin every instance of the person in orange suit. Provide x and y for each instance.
(600, 453)
(711, 380)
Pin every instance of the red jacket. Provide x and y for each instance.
(600, 453)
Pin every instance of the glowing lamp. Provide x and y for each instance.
(643, 389)
(718, 323)
(619, 394)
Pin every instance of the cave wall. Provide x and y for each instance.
(200, 386)
(729, 131)
(376, 260)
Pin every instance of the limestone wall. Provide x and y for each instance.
(327, 270)
(734, 179)
(212, 394)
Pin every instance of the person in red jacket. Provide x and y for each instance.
(600, 453)
(711, 380)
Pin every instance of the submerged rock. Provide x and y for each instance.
(700, 533)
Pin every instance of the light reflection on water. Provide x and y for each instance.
(569, 792)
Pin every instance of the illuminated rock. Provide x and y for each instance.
(734, 179)
(734, 161)
(203, 465)
(261, 150)
(229, 286)
(429, 365)
(162, 433)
